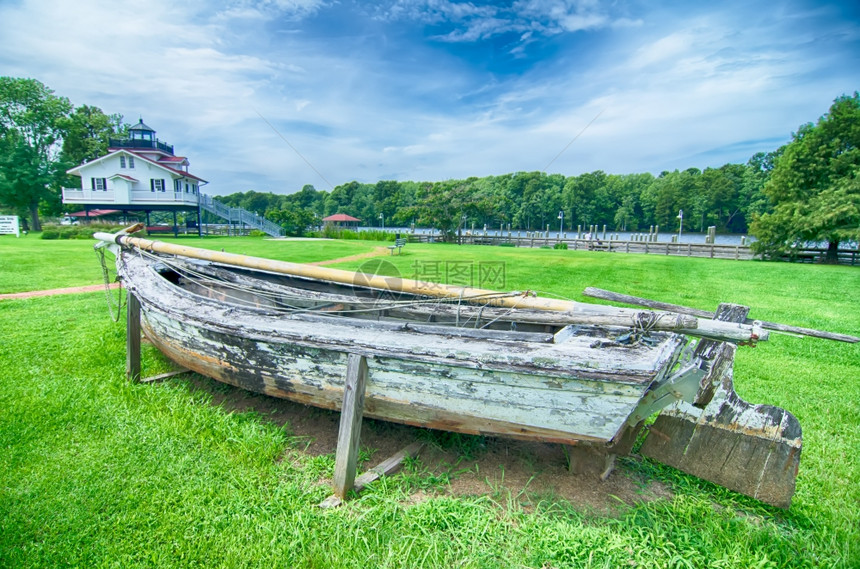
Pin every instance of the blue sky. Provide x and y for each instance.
(270, 95)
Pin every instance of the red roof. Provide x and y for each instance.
(340, 217)
(165, 166)
(94, 213)
(76, 170)
(124, 177)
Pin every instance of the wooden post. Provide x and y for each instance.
(350, 425)
(132, 338)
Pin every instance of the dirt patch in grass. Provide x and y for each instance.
(55, 291)
(375, 253)
(508, 470)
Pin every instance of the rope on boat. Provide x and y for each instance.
(278, 299)
(100, 253)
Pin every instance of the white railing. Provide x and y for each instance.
(146, 196)
(71, 195)
(240, 215)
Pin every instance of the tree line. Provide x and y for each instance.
(727, 197)
(804, 191)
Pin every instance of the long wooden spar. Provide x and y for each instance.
(713, 329)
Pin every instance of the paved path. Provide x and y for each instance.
(53, 291)
(92, 288)
(375, 253)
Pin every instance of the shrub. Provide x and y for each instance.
(560, 246)
(54, 231)
(331, 232)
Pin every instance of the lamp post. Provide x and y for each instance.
(560, 222)
(680, 223)
(382, 217)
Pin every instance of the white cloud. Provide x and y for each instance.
(671, 91)
(472, 23)
(268, 9)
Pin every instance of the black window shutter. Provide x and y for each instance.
(152, 185)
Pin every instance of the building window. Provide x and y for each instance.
(177, 185)
(186, 187)
(131, 161)
(156, 185)
(122, 161)
(98, 183)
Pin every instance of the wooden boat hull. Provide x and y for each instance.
(564, 392)
(566, 375)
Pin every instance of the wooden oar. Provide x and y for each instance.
(627, 299)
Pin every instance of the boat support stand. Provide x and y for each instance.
(349, 435)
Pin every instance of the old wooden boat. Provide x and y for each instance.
(463, 359)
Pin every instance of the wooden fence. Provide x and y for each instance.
(713, 251)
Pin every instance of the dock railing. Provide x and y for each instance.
(710, 250)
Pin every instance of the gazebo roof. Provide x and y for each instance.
(340, 217)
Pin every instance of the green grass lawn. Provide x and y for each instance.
(29, 263)
(95, 471)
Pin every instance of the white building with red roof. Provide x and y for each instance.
(139, 173)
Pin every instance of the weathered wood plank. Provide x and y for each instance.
(163, 376)
(132, 338)
(751, 449)
(384, 468)
(387, 466)
(350, 425)
(421, 393)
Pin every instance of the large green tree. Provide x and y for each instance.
(87, 133)
(814, 188)
(31, 128)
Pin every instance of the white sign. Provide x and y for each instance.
(9, 225)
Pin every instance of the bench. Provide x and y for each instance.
(398, 244)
